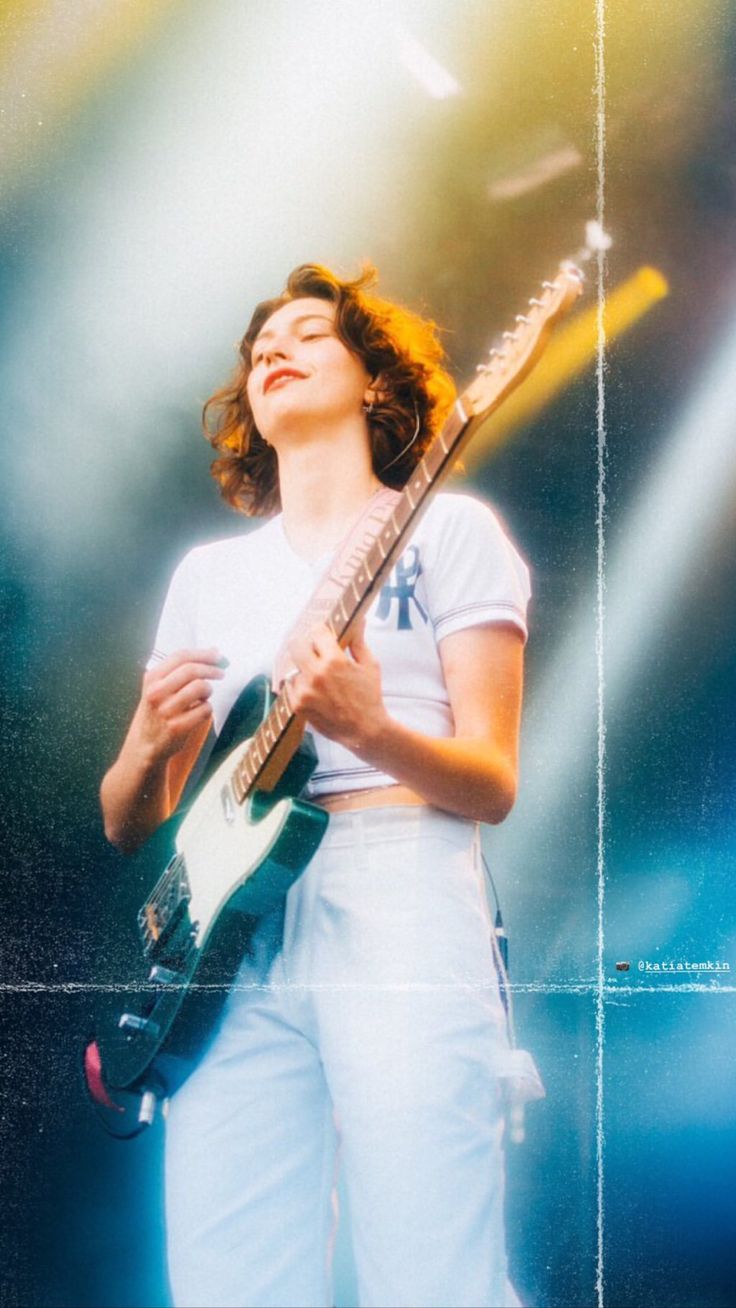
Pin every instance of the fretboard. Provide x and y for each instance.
(279, 734)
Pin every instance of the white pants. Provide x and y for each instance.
(378, 1025)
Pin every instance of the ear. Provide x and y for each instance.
(374, 393)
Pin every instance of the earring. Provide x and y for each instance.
(408, 445)
(368, 408)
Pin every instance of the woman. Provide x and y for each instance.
(370, 1014)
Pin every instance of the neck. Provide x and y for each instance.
(324, 483)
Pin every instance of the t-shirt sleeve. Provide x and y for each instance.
(177, 624)
(476, 575)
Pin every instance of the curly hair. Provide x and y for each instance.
(392, 342)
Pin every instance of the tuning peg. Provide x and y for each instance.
(520, 317)
(539, 303)
(569, 266)
(510, 336)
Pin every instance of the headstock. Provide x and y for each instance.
(521, 348)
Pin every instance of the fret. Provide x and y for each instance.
(274, 724)
(339, 621)
(374, 559)
(371, 557)
(368, 538)
(355, 578)
(422, 479)
(263, 742)
(456, 423)
(401, 515)
(351, 564)
(433, 460)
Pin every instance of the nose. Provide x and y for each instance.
(278, 347)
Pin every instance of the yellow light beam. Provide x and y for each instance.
(570, 350)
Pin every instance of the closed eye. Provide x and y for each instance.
(256, 358)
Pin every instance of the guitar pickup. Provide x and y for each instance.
(163, 912)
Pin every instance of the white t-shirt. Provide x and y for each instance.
(244, 594)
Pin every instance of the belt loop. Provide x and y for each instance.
(477, 848)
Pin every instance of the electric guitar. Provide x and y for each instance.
(231, 852)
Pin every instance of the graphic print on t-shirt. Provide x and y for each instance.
(401, 586)
(459, 571)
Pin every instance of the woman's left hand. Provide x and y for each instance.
(338, 691)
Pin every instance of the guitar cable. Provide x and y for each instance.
(500, 952)
(104, 1114)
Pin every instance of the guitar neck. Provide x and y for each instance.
(369, 572)
(279, 735)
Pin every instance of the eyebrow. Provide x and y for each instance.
(303, 317)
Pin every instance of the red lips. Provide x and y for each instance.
(280, 372)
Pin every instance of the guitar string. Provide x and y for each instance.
(400, 521)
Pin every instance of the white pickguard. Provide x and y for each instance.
(221, 845)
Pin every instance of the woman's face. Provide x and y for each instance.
(300, 369)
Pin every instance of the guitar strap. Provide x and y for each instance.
(337, 576)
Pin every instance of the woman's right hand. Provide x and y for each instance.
(175, 701)
(169, 727)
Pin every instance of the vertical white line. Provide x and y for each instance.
(600, 145)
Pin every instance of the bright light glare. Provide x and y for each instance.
(546, 168)
(652, 567)
(249, 147)
(428, 72)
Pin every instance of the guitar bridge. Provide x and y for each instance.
(163, 909)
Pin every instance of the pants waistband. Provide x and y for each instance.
(398, 822)
(349, 801)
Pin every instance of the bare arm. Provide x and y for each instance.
(168, 729)
(474, 772)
